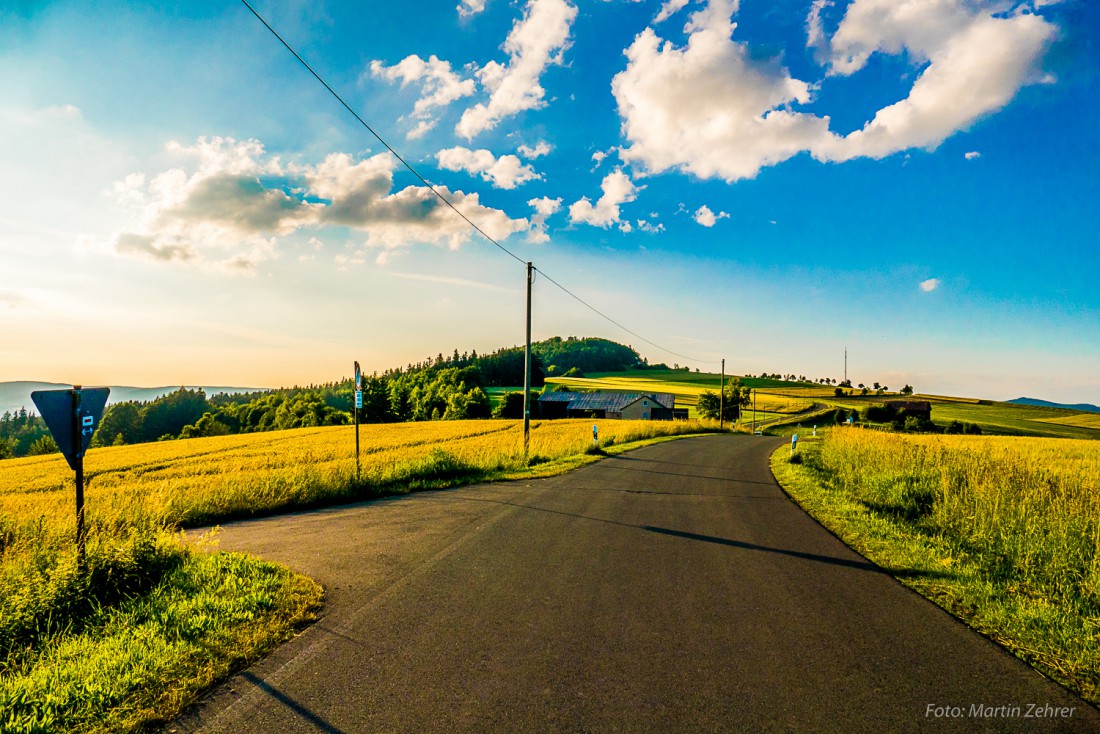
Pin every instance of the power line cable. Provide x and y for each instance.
(447, 201)
(395, 154)
(613, 321)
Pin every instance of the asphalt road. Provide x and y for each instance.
(671, 589)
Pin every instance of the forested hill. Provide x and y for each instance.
(437, 388)
(587, 355)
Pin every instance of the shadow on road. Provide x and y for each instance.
(847, 563)
(291, 704)
(862, 565)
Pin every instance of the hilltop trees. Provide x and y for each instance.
(586, 355)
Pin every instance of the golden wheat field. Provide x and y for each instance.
(1081, 420)
(205, 479)
(1032, 501)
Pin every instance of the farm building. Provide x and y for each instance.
(919, 408)
(629, 406)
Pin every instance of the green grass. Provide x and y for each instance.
(130, 650)
(1001, 532)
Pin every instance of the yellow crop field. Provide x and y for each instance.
(206, 479)
(946, 399)
(1080, 420)
(1034, 503)
(1013, 524)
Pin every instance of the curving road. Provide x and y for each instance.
(671, 589)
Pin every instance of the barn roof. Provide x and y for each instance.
(611, 402)
(557, 397)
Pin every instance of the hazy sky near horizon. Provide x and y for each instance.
(767, 182)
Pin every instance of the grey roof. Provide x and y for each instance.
(611, 402)
(557, 397)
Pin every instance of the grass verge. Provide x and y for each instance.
(1006, 547)
(81, 659)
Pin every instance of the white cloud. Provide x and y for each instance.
(704, 216)
(929, 285)
(708, 108)
(439, 85)
(815, 30)
(468, 8)
(712, 109)
(536, 41)
(544, 207)
(972, 154)
(650, 227)
(977, 60)
(669, 8)
(227, 210)
(541, 148)
(617, 189)
(506, 172)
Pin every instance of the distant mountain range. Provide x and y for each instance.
(16, 395)
(1086, 407)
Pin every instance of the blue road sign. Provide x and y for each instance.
(72, 417)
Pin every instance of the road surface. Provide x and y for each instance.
(670, 589)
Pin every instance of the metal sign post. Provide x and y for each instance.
(358, 407)
(72, 417)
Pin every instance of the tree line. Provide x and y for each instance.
(439, 388)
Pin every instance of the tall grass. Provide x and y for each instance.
(1017, 520)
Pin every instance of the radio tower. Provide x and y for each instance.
(845, 364)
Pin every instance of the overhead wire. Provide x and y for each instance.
(447, 201)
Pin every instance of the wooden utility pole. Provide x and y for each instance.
(527, 370)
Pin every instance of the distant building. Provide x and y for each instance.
(626, 406)
(919, 408)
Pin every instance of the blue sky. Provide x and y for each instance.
(765, 182)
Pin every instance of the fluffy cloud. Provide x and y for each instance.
(972, 154)
(439, 85)
(712, 109)
(541, 148)
(617, 189)
(709, 108)
(929, 285)
(536, 41)
(704, 216)
(470, 7)
(230, 208)
(977, 60)
(669, 8)
(544, 207)
(506, 172)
